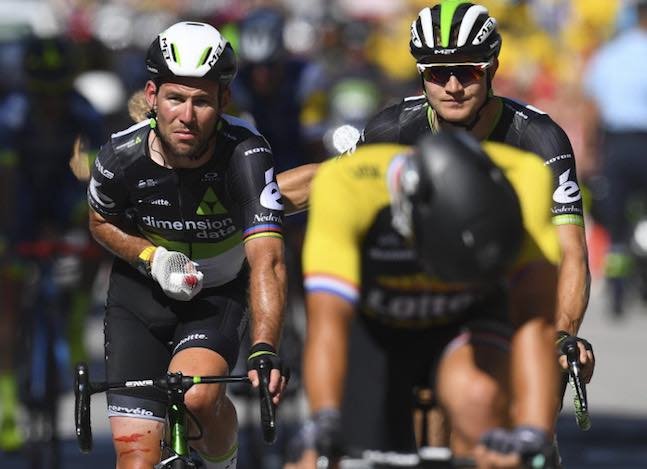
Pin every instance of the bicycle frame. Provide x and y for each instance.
(175, 385)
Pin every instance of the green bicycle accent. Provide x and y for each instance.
(177, 423)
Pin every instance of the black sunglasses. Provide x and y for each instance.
(466, 74)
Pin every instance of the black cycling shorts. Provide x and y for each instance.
(386, 364)
(144, 328)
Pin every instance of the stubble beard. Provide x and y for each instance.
(179, 152)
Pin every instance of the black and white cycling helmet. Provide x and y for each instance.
(457, 207)
(454, 31)
(191, 49)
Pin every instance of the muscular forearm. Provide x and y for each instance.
(572, 294)
(574, 280)
(295, 186)
(267, 301)
(325, 356)
(115, 240)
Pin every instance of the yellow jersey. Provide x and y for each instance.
(352, 250)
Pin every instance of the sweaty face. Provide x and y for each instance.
(187, 112)
(454, 101)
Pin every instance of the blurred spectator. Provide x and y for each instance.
(616, 137)
(43, 200)
(280, 93)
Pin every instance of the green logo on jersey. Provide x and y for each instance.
(210, 204)
(138, 140)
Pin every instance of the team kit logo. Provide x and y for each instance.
(567, 191)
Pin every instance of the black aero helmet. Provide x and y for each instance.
(260, 36)
(48, 64)
(454, 31)
(191, 49)
(458, 209)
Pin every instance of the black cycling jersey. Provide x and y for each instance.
(207, 212)
(519, 125)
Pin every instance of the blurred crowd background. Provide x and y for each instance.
(306, 68)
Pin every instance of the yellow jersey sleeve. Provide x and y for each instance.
(532, 180)
(345, 197)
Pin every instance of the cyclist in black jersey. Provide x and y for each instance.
(188, 203)
(456, 46)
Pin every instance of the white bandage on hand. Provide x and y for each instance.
(176, 274)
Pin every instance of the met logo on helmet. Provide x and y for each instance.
(445, 51)
(216, 54)
(165, 48)
(485, 31)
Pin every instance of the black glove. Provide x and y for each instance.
(263, 351)
(327, 433)
(532, 444)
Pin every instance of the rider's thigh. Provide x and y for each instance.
(473, 388)
(136, 441)
(201, 362)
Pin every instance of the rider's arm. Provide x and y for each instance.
(574, 279)
(108, 202)
(534, 370)
(331, 264)
(116, 240)
(326, 349)
(295, 186)
(267, 288)
(544, 137)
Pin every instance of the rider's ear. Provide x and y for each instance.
(150, 92)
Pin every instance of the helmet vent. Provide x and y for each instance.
(174, 53)
(205, 56)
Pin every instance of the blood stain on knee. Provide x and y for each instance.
(130, 451)
(129, 438)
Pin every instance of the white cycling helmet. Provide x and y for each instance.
(191, 49)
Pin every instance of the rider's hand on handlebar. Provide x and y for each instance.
(522, 447)
(587, 357)
(278, 376)
(327, 433)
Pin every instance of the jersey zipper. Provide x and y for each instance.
(178, 179)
